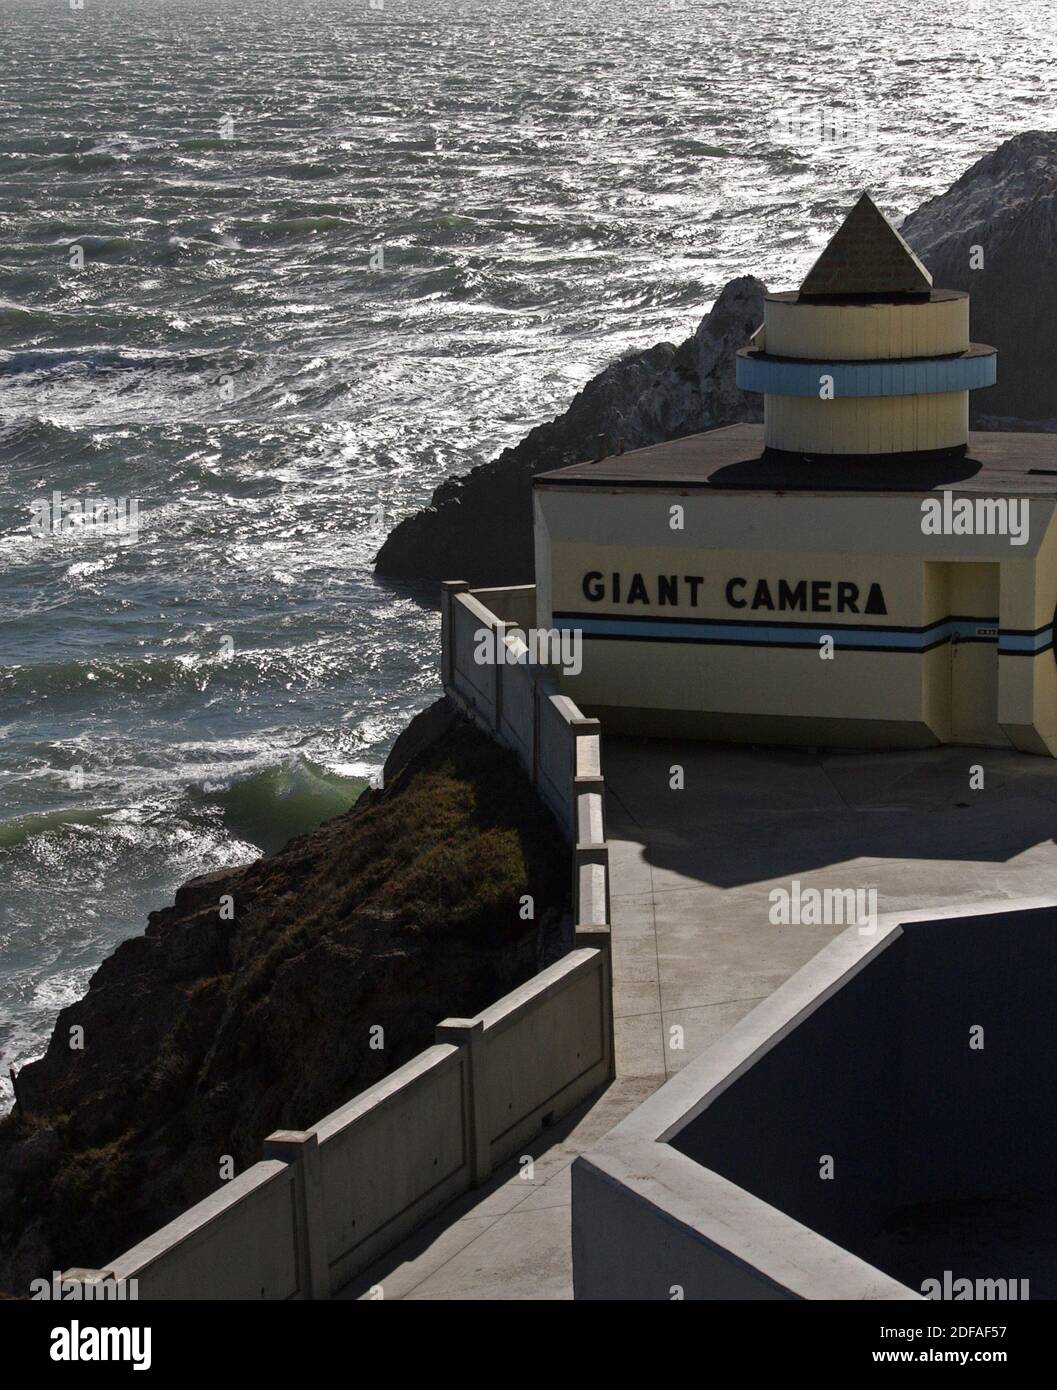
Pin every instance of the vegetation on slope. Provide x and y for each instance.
(220, 1025)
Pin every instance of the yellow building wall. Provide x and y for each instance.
(902, 582)
(774, 682)
(935, 665)
(935, 678)
(864, 332)
(748, 680)
(1027, 691)
(867, 424)
(930, 579)
(935, 592)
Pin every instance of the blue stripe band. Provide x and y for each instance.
(1025, 643)
(732, 633)
(916, 376)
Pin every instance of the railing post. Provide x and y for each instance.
(585, 856)
(585, 728)
(300, 1149)
(584, 766)
(537, 720)
(448, 590)
(500, 667)
(600, 939)
(468, 1034)
(534, 726)
(588, 833)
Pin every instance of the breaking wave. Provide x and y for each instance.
(270, 807)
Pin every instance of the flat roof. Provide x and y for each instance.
(733, 459)
(973, 350)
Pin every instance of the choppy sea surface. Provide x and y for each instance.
(334, 251)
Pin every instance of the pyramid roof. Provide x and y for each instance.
(866, 257)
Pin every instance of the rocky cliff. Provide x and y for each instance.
(479, 527)
(994, 233)
(222, 1023)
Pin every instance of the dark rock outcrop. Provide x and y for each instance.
(479, 527)
(1006, 206)
(216, 1027)
(427, 727)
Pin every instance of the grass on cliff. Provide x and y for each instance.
(454, 842)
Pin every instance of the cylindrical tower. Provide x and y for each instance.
(866, 357)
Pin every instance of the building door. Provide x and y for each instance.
(974, 597)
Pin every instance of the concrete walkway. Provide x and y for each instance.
(510, 1239)
(694, 949)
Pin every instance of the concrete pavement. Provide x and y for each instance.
(692, 869)
(694, 949)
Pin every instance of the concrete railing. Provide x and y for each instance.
(520, 704)
(324, 1203)
(400, 1152)
(240, 1242)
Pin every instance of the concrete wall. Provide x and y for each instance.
(328, 1201)
(393, 1156)
(882, 1076)
(863, 1059)
(545, 1047)
(239, 1243)
(515, 605)
(684, 1193)
(979, 1119)
(647, 1252)
(830, 1089)
(478, 684)
(520, 716)
(402, 1150)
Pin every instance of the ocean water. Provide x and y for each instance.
(334, 251)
